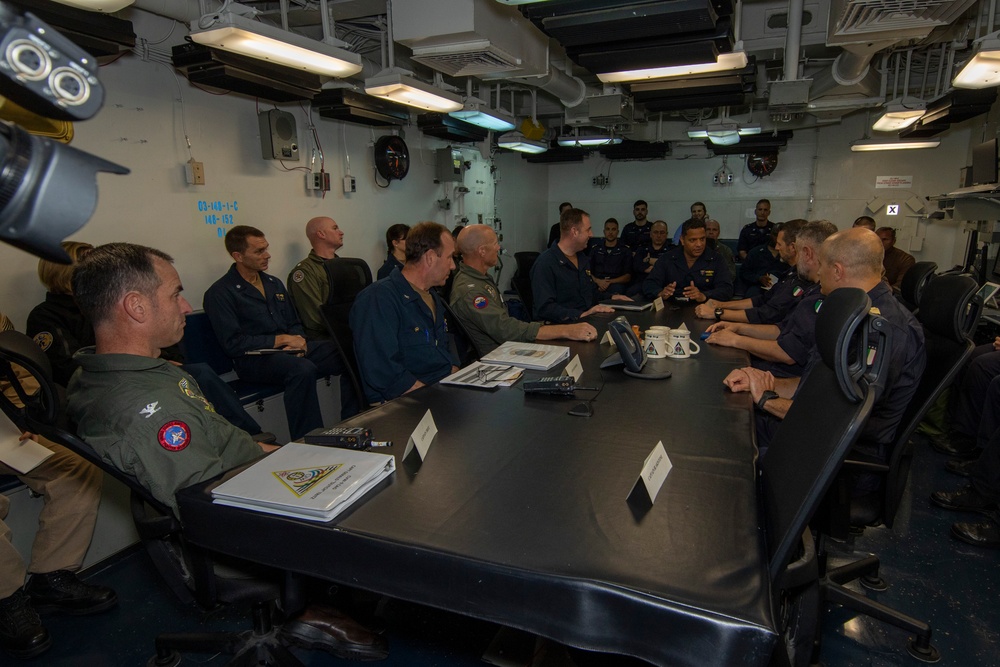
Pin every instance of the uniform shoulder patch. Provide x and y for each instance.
(43, 339)
(298, 276)
(797, 291)
(174, 436)
(480, 302)
(819, 304)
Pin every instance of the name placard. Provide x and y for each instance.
(575, 368)
(422, 437)
(658, 304)
(654, 473)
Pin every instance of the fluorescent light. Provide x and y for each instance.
(515, 141)
(723, 63)
(479, 113)
(899, 114)
(588, 140)
(400, 86)
(97, 5)
(239, 34)
(876, 145)
(983, 71)
(722, 134)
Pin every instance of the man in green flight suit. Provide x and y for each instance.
(476, 299)
(308, 283)
(149, 418)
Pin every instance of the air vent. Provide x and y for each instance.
(897, 20)
(470, 59)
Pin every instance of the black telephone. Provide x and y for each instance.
(630, 352)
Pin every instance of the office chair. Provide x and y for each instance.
(465, 344)
(521, 280)
(337, 319)
(914, 282)
(829, 410)
(347, 276)
(187, 571)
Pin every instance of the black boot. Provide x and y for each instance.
(22, 634)
(62, 591)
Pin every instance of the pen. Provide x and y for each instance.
(380, 443)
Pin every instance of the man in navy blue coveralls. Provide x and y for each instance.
(400, 337)
(250, 310)
(691, 271)
(560, 278)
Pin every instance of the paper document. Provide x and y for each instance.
(528, 355)
(637, 304)
(305, 481)
(485, 376)
(21, 455)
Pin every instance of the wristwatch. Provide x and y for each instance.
(765, 397)
(718, 314)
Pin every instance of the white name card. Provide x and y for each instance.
(654, 472)
(575, 368)
(422, 436)
(658, 304)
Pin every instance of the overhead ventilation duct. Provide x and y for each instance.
(768, 142)
(604, 110)
(954, 106)
(560, 154)
(636, 150)
(716, 90)
(480, 38)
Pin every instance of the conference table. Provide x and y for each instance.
(518, 514)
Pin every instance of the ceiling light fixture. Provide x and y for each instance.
(722, 134)
(588, 140)
(97, 5)
(724, 62)
(480, 113)
(900, 113)
(401, 86)
(983, 69)
(515, 141)
(263, 41)
(864, 145)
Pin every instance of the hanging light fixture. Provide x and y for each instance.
(983, 69)
(480, 113)
(900, 113)
(864, 145)
(401, 86)
(232, 32)
(515, 141)
(588, 140)
(106, 6)
(724, 62)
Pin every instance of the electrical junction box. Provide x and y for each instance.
(350, 185)
(448, 166)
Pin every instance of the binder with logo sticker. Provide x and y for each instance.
(305, 481)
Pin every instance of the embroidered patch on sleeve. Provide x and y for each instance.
(174, 436)
(298, 276)
(43, 339)
(480, 302)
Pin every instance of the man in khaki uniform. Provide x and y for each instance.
(476, 299)
(72, 491)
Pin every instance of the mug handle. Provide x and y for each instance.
(697, 348)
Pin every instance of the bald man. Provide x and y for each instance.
(477, 302)
(308, 284)
(851, 258)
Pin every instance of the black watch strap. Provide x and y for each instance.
(718, 314)
(765, 397)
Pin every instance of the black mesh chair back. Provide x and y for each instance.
(465, 344)
(521, 281)
(915, 282)
(348, 276)
(948, 308)
(337, 318)
(825, 419)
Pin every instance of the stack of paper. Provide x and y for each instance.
(485, 376)
(305, 481)
(528, 355)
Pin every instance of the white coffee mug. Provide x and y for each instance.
(680, 345)
(655, 341)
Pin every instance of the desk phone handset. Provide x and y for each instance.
(630, 352)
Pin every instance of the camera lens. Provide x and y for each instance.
(28, 60)
(68, 86)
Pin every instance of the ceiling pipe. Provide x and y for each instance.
(568, 89)
(793, 40)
